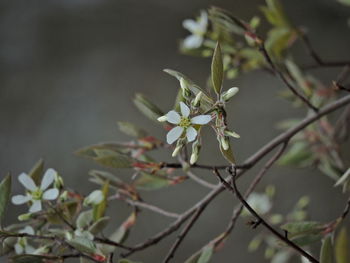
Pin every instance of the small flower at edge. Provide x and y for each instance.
(184, 124)
(22, 246)
(197, 28)
(36, 194)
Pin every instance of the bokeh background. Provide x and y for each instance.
(68, 72)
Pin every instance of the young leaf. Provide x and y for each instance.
(113, 159)
(342, 247)
(228, 154)
(28, 259)
(99, 225)
(326, 250)
(217, 69)
(83, 244)
(37, 171)
(100, 209)
(146, 107)
(131, 129)
(84, 219)
(206, 254)
(5, 192)
(147, 181)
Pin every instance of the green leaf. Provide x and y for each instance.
(206, 254)
(28, 259)
(298, 154)
(84, 219)
(275, 14)
(37, 171)
(217, 69)
(99, 225)
(124, 260)
(326, 250)
(5, 192)
(147, 181)
(131, 129)
(298, 76)
(279, 40)
(228, 154)
(83, 245)
(90, 151)
(146, 107)
(342, 247)
(343, 178)
(297, 228)
(345, 2)
(113, 159)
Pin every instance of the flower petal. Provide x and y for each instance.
(27, 181)
(203, 21)
(51, 194)
(174, 134)
(173, 117)
(191, 134)
(20, 199)
(193, 41)
(36, 206)
(18, 249)
(201, 119)
(29, 249)
(190, 25)
(185, 110)
(28, 230)
(48, 178)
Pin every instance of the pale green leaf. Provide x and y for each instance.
(131, 129)
(83, 245)
(5, 192)
(326, 250)
(217, 69)
(28, 259)
(342, 247)
(146, 107)
(99, 225)
(206, 254)
(84, 219)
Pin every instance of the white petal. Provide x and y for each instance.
(29, 249)
(203, 21)
(28, 230)
(174, 134)
(18, 249)
(48, 178)
(20, 199)
(36, 206)
(201, 119)
(190, 25)
(191, 134)
(95, 197)
(173, 117)
(27, 182)
(185, 110)
(193, 41)
(51, 194)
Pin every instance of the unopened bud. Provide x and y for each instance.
(232, 134)
(177, 150)
(58, 182)
(226, 96)
(196, 147)
(64, 196)
(225, 144)
(186, 92)
(197, 100)
(162, 118)
(94, 198)
(24, 217)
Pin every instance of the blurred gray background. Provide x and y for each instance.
(69, 69)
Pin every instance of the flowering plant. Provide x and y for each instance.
(62, 223)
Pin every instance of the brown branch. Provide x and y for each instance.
(182, 235)
(284, 239)
(346, 210)
(251, 161)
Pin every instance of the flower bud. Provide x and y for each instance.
(196, 147)
(58, 183)
(225, 143)
(197, 100)
(163, 118)
(227, 95)
(94, 198)
(177, 150)
(232, 134)
(24, 217)
(64, 196)
(186, 92)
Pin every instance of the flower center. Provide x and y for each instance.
(37, 194)
(185, 122)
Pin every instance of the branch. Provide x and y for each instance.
(279, 73)
(284, 239)
(182, 235)
(346, 210)
(251, 161)
(200, 181)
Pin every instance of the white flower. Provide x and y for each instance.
(261, 203)
(22, 245)
(184, 124)
(95, 198)
(36, 194)
(197, 28)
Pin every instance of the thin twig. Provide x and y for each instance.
(200, 181)
(279, 73)
(346, 210)
(182, 235)
(260, 220)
